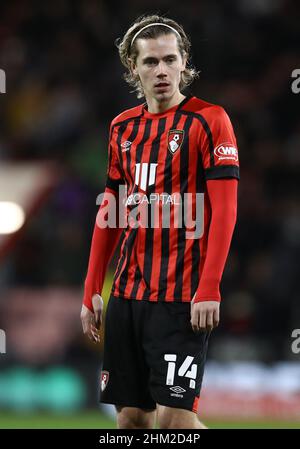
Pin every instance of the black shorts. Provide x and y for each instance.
(151, 355)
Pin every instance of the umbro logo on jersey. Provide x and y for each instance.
(145, 175)
(175, 138)
(126, 145)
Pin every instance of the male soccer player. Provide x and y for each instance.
(165, 296)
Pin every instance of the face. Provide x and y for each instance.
(159, 65)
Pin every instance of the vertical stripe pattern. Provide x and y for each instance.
(159, 263)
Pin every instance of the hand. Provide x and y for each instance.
(91, 322)
(205, 315)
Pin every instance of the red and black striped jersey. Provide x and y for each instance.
(164, 156)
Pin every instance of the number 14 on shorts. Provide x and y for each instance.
(187, 369)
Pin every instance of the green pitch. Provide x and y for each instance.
(96, 420)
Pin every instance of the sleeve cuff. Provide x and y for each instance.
(222, 171)
(199, 299)
(113, 184)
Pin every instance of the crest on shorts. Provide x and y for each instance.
(104, 380)
(175, 138)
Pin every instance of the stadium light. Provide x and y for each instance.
(12, 217)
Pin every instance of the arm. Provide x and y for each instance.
(222, 195)
(103, 245)
(104, 242)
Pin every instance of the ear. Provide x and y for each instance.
(133, 67)
(184, 61)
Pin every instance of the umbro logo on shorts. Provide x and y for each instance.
(178, 389)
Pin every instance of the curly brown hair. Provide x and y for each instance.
(129, 52)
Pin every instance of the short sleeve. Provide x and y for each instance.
(114, 171)
(218, 146)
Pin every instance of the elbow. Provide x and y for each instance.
(225, 213)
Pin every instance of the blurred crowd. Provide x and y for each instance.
(64, 86)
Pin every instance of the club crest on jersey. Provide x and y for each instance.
(104, 380)
(175, 138)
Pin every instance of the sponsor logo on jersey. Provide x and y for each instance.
(175, 139)
(145, 175)
(125, 145)
(104, 379)
(226, 151)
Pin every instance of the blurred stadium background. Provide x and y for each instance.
(63, 86)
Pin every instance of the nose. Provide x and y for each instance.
(161, 69)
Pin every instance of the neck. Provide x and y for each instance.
(155, 106)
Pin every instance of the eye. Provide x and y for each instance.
(150, 62)
(170, 60)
